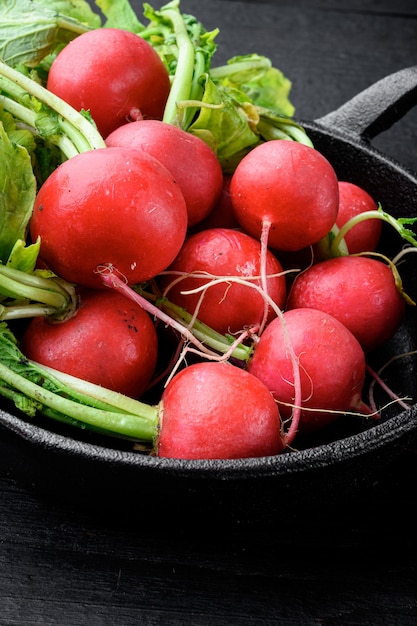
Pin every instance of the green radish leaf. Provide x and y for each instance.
(119, 14)
(228, 120)
(17, 193)
(264, 85)
(31, 30)
(23, 257)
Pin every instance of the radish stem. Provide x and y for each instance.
(34, 294)
(110, 279)
(397, 224)
(203, 332)
(35, 388)
(266, 227)
(183, 78)
(175, 319)
(70, 121)
(376, 378)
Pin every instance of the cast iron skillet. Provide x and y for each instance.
(73, 466)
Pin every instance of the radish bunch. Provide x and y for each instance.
(303, 353)
(192, 333)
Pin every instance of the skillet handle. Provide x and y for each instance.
(376, 108)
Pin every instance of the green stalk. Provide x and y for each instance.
(101, 396)
(128, 425)
(201, 331)
(326, 247)
(73, 26)
(51, 292)
(67, 398)
(28, 118)
(183, 78)
(197, 333)
(397, 224)
(80, 141)
(223, 71)
(80, 126)
(273, 126)
(17, 110)
(196, 90)
(19, 311)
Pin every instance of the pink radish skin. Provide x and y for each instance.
(225, 307)
(218, 411)
(332, 366)
(111, 206)
(112, 73)
(353, 200)
(359, 291)
(190, 160)
(290, 186)
(221, 215)
(110, 341)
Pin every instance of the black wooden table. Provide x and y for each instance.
(62, 565)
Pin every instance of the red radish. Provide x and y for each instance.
(218, 411)
(227, 307)
(110, 341)
(353, 201)
(359, 291)
(331, 360)
(289, 186)
(221, 215)
(191, 161)
(114, 74)
(109, 206)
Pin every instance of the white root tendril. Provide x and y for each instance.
(376, 378)
(402, 253)
(111, 278)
